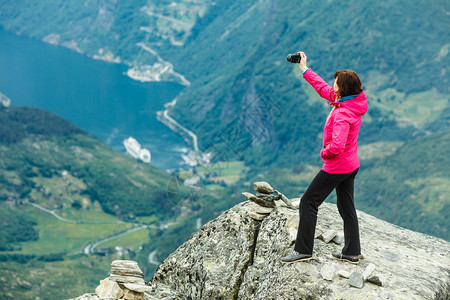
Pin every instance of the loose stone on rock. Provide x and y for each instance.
(262, 210)
(328, 235)
(295, 202)
(379, 280)
(132, 295)
(263, 187)
(328, 271)
(108, 289)
(256, 216)
(126, 271)
(137, 287)
(267, 197)
(285, 199)
(356, 279)
(339, 238)
(318, 233)
(368, 271)
(344, 273)
(259, 201)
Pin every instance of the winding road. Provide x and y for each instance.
(175, 126)
(90, 247)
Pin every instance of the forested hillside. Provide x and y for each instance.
(64, 195)
(400, 49)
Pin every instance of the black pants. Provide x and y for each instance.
(319, 189)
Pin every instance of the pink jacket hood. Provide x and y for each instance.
(358, 105)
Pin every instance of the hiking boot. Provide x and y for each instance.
(353, 259)
(294, 257)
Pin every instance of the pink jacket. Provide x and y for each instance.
(340, 136)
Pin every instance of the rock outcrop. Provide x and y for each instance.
(236, 256)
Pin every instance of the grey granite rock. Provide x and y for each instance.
(295, 202)
(339, 238)
(267, 197)
(328, 235)
(212, 263)
(256, 216)
(284, 199)
(344, 273)
(379, 280)
(259, 201)
(234, 256)
(162, 292)
(137, 287)
(328, 271)
(126, 271)
(368, 271)
(262, 210)
(108, 289)
(356, 279)
(263, 187)
(132, 295)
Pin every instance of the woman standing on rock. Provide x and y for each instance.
(341, 163)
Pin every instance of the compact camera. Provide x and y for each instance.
(294, 58)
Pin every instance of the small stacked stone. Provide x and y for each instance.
(331, 236)
(125, 282)
(265, 199)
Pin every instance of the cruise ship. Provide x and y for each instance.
(134, 149)
(4, 101)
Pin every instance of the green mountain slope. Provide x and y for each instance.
(411, 187)
(67, 200)
(38, 148)
(399, 48)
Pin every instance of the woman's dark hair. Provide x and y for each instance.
(348, 83)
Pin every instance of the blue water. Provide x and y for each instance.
(92, 94)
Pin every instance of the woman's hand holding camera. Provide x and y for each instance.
(302, 63)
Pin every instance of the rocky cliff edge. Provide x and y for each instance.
(237, 257)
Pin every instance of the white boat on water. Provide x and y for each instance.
(134, 149)
(4, 101)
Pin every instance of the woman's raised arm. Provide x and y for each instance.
(322, 88)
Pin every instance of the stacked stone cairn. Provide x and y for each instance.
(265, 199)
(125, 282)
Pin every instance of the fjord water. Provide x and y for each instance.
(94, 95)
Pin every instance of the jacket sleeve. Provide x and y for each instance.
(341, 126)
(321, 87)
